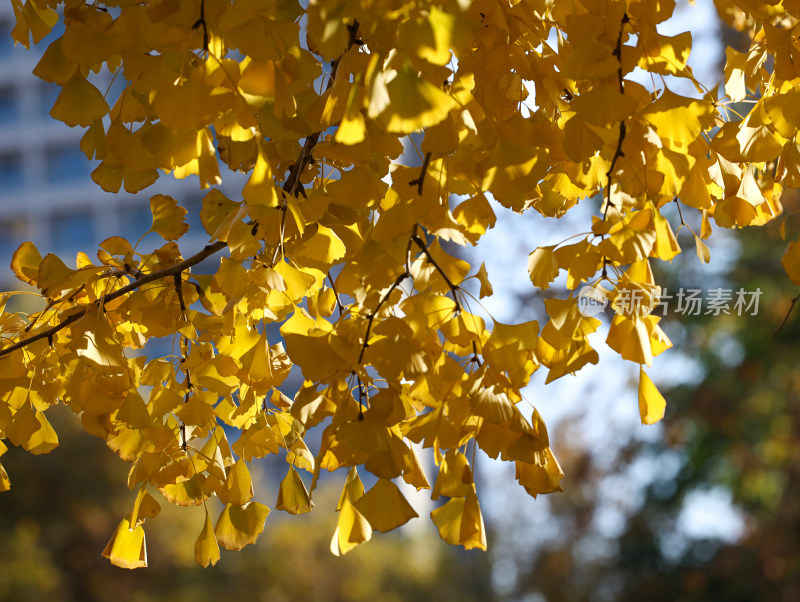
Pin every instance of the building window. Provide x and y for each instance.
(13, 231)
(6, 41)
(136, 219)
(11, 177)
(72, 229)
(9, 109)
(193, 204)
(66, 164)
(48, 93)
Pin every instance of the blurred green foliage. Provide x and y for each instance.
(736, 431)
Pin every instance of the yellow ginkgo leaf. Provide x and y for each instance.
(510, 348)
(483, 278)
(353, 488)
(628, 336)
(666, 245)
(735, 65)
(678, 118)
(144, 507)
(542, 267)
(238, 488)
(543, 476)
(631, 239)
(206, 548)
(25, 263)
(476, 216)
(126, 548)
(134, 411)
(432, 37)
(651, 403)
(55, 278)
(352, 129)
(414, 102)
(293, 496)
(186, 493)
(352, 529)
(256, 442)
(666, 55)
(703, 251)
(791, 261)
(321, 247)
(96, 343)
(5, 482)
(44, 439)
(460, 522)
(148, 508)
(260, 189)
(54, 67)
(239, 526)
(384, 506)
(167, 217)
(79, 103)
(455, 476)
(415, 476)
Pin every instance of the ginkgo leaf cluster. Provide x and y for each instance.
(350, 253)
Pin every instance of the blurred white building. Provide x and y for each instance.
(46, 192)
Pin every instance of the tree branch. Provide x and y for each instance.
(374, 313)
(418, 182)
(336, 295)
(290, 186)
(424, 248)
(48, 333)
(179, 290)
(201, 22)
(622, 127)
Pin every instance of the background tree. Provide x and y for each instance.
(730, 432)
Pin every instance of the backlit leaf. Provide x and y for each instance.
(167, 217)
(239, 526)
(126, 548)
(206, 549)
(651, 402)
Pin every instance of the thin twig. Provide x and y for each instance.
(424, 248)
(786, 317)
(374, 313)
(475, 357)
(361, 395)
(201, 22)
(418, 182)
(336, 295)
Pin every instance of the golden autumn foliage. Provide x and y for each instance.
(529, 104)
